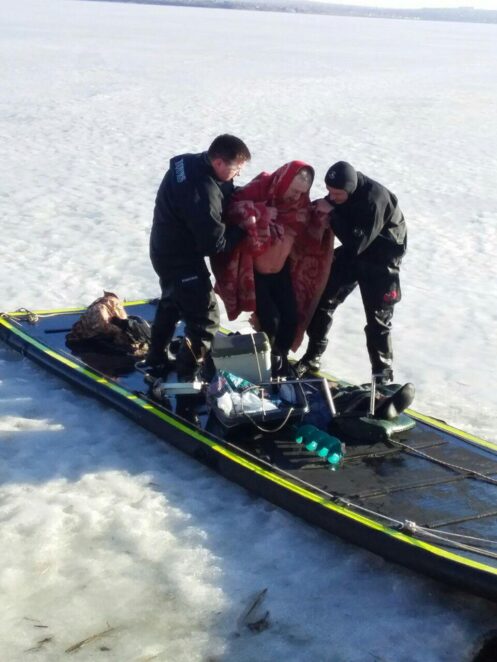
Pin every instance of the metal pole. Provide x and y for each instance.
(328, 397)
(372, 396)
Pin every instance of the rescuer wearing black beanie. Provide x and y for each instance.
(343, 176)
(366, 218)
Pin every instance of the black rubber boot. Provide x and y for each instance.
(187, 366)
(280, 367)
(384, 377)
(379, 344)
(393, 405)
(308, 364)
(186, 408)
(155, 365)
(276, 365)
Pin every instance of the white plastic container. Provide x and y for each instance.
(245, 355)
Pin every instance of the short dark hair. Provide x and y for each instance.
(229, 148)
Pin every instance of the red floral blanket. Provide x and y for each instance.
(310, 257)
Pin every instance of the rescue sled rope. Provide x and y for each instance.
(451, 534)
(416, 530)
(28, 315)
(423, 532)
(419, 531)
(32, 318)
(469, 473)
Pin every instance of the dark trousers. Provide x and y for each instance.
(191, 299)
(276, 308)
(380, 291)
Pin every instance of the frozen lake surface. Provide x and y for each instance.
(103, 526)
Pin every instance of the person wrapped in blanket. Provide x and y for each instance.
(279, 270)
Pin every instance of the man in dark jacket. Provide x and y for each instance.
(187, 227)
(367, 220)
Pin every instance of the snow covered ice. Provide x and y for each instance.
(105, 530)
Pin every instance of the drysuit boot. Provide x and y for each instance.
(280, 366)
(311, 361)
(384, 377)
(189, 360)
(393, 405)
(186, 368)
(379, 343)
(162, 331)
(186, 408)
(155, 366)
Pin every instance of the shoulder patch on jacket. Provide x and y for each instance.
(179, 171)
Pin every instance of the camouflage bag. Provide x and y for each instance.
(106, 326)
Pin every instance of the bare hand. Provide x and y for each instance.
(323, 206)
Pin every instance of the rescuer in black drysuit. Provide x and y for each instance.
(187, 227)
(366, 218)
